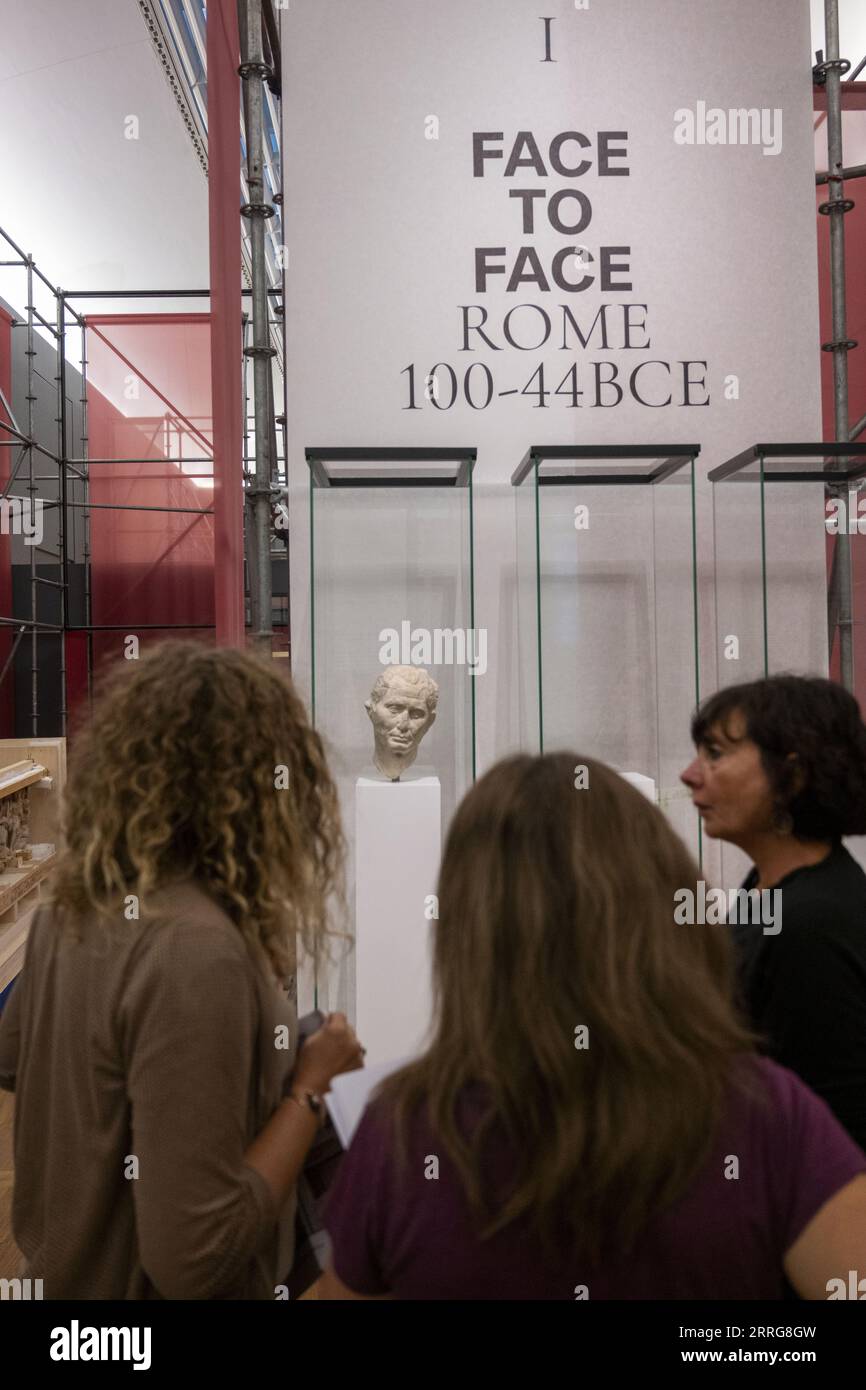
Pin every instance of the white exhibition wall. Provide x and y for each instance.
(406, 230)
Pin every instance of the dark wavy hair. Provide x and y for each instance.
(812, 741)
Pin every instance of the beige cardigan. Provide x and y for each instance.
(145, 1058)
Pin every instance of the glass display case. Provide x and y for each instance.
(607, 610)
(392, 575)
(790, 548)
(392, 584)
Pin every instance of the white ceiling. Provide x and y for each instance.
(97, 210)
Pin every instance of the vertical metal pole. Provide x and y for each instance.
(224, 178)
(274, 462)
(30, 353)
(250, 552)
(246, 396)
(835, 165)
(254, 70)
(85, 455)
(62, 510)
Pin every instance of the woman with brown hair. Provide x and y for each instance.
(151, 1037)
(589, 1119)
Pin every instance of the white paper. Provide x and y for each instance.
(350, 1092)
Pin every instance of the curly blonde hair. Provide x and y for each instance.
(201, 762)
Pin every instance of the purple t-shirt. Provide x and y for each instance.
(396, 1231)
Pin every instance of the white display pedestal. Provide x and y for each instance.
(642, 783)
(398, 844)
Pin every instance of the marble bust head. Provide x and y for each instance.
(402, 706)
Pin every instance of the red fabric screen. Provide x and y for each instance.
(150, 431)
(77, 681)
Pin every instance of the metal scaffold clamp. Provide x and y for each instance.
(264, 70)
(825, 65)
(837, 205)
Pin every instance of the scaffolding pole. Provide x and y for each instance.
(85, 452)
(832, 67)
(28, 445)
(254, 71)
(30, 353)
(62, 509)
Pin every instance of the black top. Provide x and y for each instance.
(805, 989)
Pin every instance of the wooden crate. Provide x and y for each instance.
(39, 763)
(44, 801)
(13, 942)
(23, 889)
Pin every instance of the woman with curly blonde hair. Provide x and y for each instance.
(152, 1033)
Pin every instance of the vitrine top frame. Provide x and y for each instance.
(391, 467)
(794, 463)
(570, 464)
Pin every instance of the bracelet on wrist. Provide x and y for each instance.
(309, 1101)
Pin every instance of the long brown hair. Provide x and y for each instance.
(556, 912)
(201, 761)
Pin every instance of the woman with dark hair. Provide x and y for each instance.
(150, 1038)
(780, 772)
(589, 1118)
